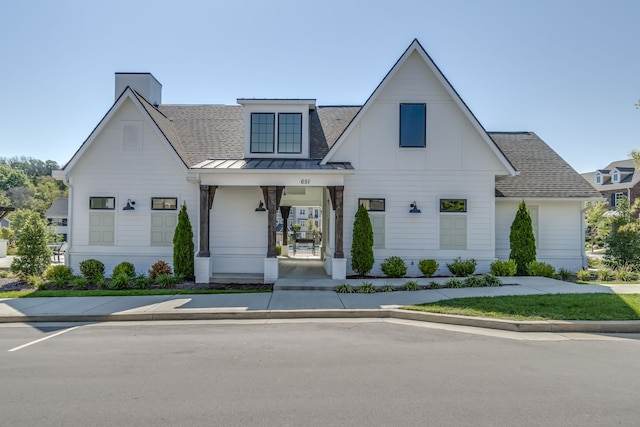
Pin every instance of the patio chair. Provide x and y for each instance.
(60, 250)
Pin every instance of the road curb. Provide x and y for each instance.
(631, 326)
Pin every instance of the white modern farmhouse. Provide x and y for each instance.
(436, 184)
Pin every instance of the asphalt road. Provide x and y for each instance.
(320, 373)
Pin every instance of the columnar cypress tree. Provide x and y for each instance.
(34, 256)
(522, 240)
(362, 243)
(183, 250)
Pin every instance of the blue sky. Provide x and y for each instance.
(568, 70)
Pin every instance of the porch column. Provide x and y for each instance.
(207, 192)
(284, 212)
(339, 263)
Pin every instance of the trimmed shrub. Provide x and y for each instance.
(387, 287)
(428, 267)
(166, 280)
(92, 269)
(58, 272)
(344, 288)
(605, 274)
(124, 268)
(183, 250)
(141, 282)
(159, 268)
(434, 285)
(565, 274)
(412, 285)
(522, 240)
(454, 283)
(80, 283)
(504, 268)
(462, 267)
(366, 288)
(584, 275)
(394, 266)
(362, 243)
(626, 274)
(540, 269)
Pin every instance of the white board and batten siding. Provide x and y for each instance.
(556, 225)
(127, 160)
(457, 163)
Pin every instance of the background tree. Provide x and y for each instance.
(362, 243)
(623, 243)
(597, 224)
(522, 240)
(183, 250)
(33, 253)
(10, 177)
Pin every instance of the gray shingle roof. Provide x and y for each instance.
(626, 168)
(543, 173)
(59, 208)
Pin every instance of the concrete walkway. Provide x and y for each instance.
(287, 304)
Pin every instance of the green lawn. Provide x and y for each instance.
(108, 293)
(542, 307)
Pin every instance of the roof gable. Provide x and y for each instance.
(447, 89)
(155, 118)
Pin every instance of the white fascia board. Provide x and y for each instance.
(550, 199)
(311, 103)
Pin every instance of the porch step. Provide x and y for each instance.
(239, 278)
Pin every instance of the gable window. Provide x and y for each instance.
(290, 133)
(164, 203)
(262, 132)
(372, 205)
(413, 125)
(102, 202)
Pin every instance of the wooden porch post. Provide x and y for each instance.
(207, 192)
(284, 211)
(336, 193)
(269, 193)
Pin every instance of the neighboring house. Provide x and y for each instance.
(436, 184)
(5, 222)
(616, 180)
(57, 216)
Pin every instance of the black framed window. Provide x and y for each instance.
(453, 205)
(373, 205)
(102, 202)
(413, 125)
(290, 133)
(262, 132)
(164, 203)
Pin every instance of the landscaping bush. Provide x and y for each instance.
(119, 281)
(412, 285)
(387, 287)
(434, 285)
(394, 266)
(141, 282)
(565, 274)
(34, 255)
(278, 250)
(491, 280)
(183, 250)
(166, 280)
(626, 274)
(159, 268)
(428, 267)
(366, 288)
(92, 269)
(522, 240)
(362, 243)
(474, 282)
(540, 269)
(605, 274)
(58, 272)
(454, 283)
(124, 268)
(584, 275)
(80, 283)
(462, 267)
(504, 268)
(344, 288)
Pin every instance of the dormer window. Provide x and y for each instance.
(598, 179)
(615, 177)
(277, 128)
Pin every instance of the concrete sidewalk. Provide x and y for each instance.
(287, 304)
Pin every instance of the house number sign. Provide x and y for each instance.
(305, 181)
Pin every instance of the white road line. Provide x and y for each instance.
(43, 339)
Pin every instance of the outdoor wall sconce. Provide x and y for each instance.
(260, 207)
(414, 208)
(129, 207)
